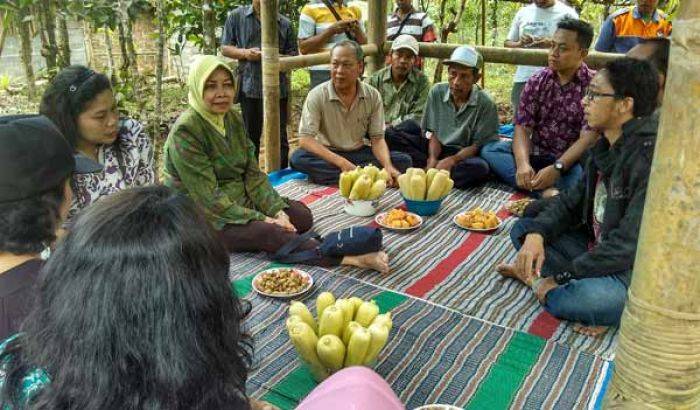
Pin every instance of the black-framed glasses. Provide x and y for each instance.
(591, 95)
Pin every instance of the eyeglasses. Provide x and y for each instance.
(590, 94)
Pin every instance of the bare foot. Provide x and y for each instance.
(550, 192)
(508, 271)
(592, 331)
(378, 261)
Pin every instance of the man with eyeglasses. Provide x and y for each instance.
(550, 132)
(577, 254)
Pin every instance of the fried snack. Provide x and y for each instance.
(282, 281)
(478, 219)
(398, 218)
(517, 207)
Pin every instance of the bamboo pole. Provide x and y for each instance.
(324, 57)
(657, 361)
(502, 55)
(376, 34)
(271, 84)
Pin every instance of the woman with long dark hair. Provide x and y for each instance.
(81, 103)
(135, 311)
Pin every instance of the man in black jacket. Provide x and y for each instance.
(577, 254)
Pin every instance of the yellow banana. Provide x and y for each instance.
(332, 321)
(371, 171)
(366, 313)
(292, 320)
(331, 352)
(383, 175)
(360, 189)
(348, 310)
(305, 341)
(429, 175)
(358, 347)
(377, 189)
(418, 187)
(356, 302)
(300, 309)
(385, 320)
(448, 188)
(404, 185)
(345, 183)
(350, 328)
(379, 334)
(437, 187)
(323, 300)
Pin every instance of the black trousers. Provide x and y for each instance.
(252, 110)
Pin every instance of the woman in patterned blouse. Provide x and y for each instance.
(81, 103)
(209, 157)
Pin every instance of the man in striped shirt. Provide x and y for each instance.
(407, 20)
(319, 30)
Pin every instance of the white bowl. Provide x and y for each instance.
(360, 208)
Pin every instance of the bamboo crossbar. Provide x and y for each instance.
(308, 60)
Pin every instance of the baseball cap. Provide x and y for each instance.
(405, 41)
(35, 157)
(465, 56)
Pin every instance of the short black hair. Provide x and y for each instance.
(29, 225)
(354, 46)
(662, 49)
(636, 79)
(583, 29)
(68, 95)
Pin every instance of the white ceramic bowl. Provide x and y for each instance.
(360, 208)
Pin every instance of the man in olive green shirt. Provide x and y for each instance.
(404, 89)
(342, 124)
(459, 119)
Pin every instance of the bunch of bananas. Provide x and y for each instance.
(363, 183)
(419, 185)
(349, 332)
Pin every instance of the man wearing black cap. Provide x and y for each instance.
(36, 163)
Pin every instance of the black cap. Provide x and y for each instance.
(35, 157)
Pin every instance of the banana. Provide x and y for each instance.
(385, 320)
(292, 320)
(305, 341)
(358, 347)
(371, 171)
(377, 189)
(404, 185)
(323, 300)
(418, 187)
(345, 183)
(379, 334)
(437, 187)
(300, 309)
(360, 189)
(366, 313)
(348, 310)
(356, 302)
(382, 175)
(331, 352)
(429, 175)
(332, 321)
(350, 328)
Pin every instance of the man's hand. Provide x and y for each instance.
(530, 258)
(543, 42)
(340, 27)
(545, 178)
(253, 54)
(345, 165)
(525, 40)
(282, 222)
(393, 175)
(524, 175)
(447, 163)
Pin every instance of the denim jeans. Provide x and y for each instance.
(324, 173)
(499, 155)
(596, 301)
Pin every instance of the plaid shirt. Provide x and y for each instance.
(242, 30)
(554, 111)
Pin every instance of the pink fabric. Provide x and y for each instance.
(353, 388)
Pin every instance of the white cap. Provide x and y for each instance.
(465, 56)
(405, 41)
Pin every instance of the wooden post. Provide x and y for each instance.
(376, 34)
(271, 84)
(657, 362)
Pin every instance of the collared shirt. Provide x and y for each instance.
(537, 22)
(242, 30)
(405, 102)
(554, 111)
(325, 118)
(475, 122)
(315, 18)
(626, 28)
(417, 24)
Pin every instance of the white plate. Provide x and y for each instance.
(283, 295)
(454, 219)
(379, 219)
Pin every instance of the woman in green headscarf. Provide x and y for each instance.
(209, 157)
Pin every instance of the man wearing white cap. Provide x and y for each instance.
(459, 119)
(404, 89)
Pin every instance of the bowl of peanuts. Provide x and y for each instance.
(282, 282)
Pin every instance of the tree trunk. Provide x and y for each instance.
(208, 27)
(3, 33)
(89, 43)
(494, 23)
(26, 49)
(47, 18)
(124, 70)
(160, 44)
(63, 39)
(110, 55)
(126, 38)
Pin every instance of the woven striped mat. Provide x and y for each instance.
(434, 354)
(452, 267)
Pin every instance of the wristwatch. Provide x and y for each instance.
(559, 166)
